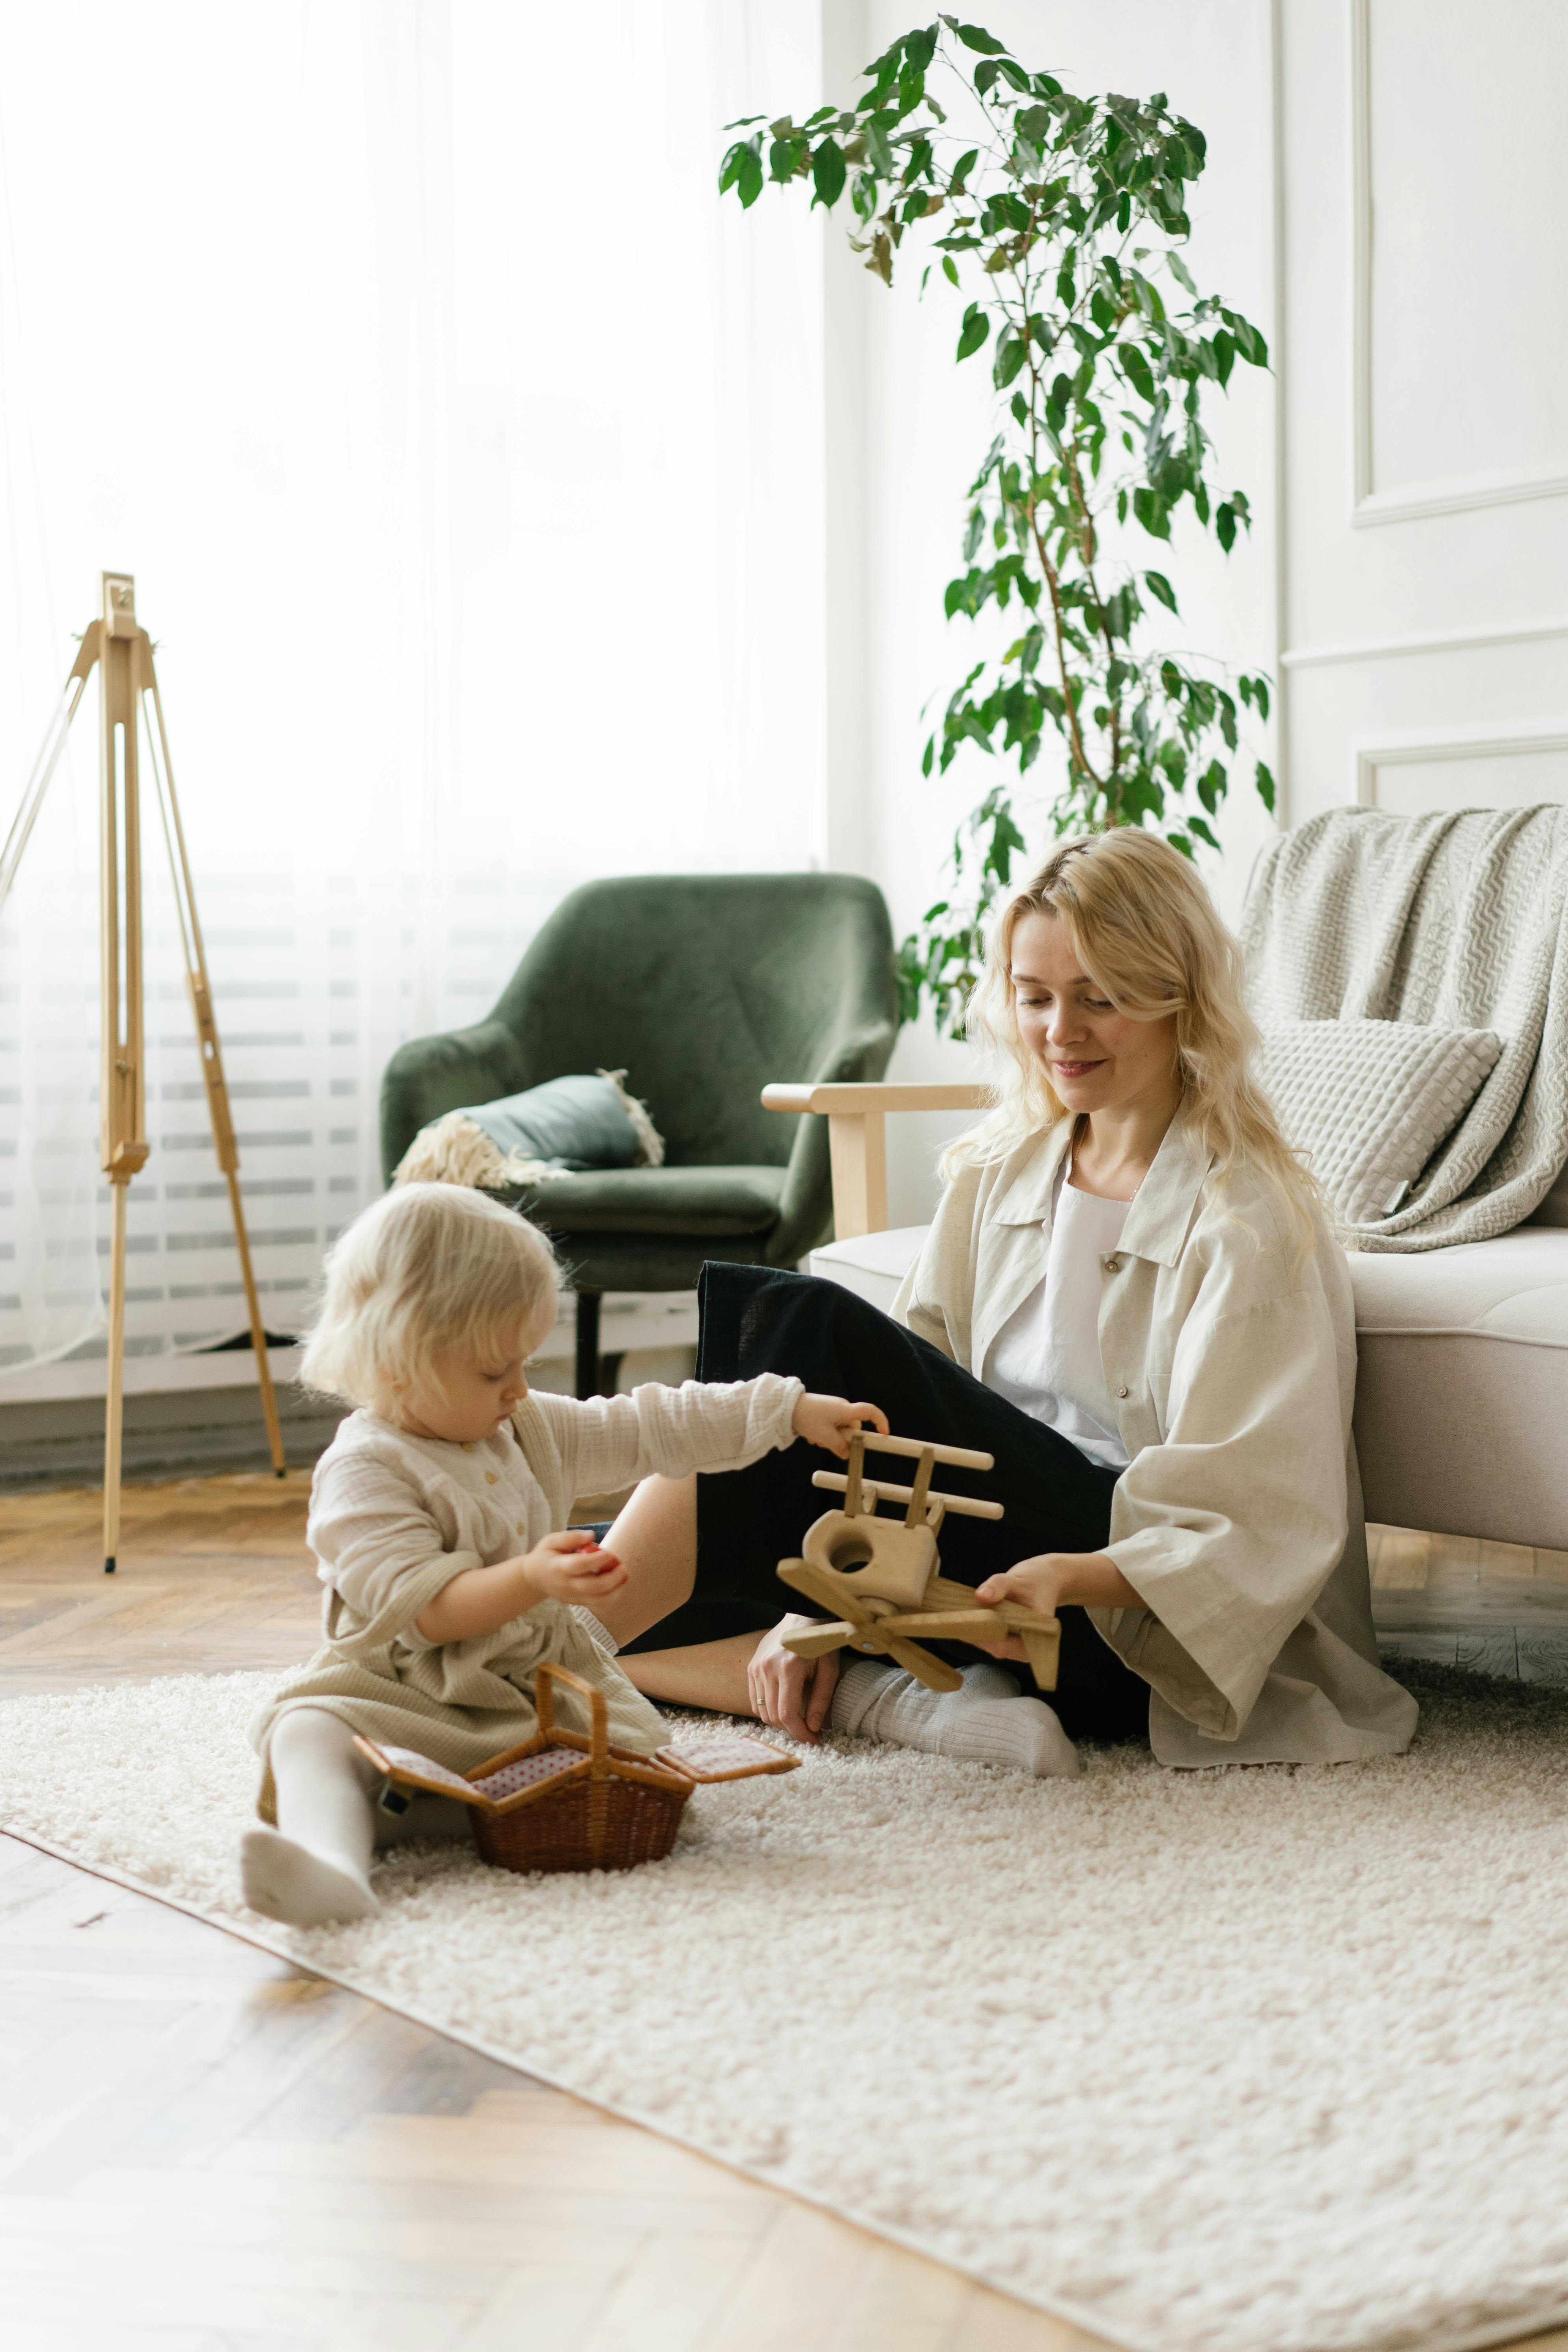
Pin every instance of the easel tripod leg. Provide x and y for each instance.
(115, 1407)
(257, 1329)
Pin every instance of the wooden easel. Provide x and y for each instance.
(128, 689)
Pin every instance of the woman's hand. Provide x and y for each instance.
(792, 1693)
(1089, 1578)
(831, 1422)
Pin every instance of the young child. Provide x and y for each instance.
(438, 1522)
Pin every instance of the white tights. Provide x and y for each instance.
(315, 1865)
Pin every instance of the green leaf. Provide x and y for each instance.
(962, 169)
(1158, 585)
(950, 269)
(976, 327)
(1152, 511)
(1180, 272)
(1136, 368)
(1195, 825)
(1265, 782)
(735, 158)
(1020, 408)
(828, 172)
(1225, 525)
(878, 155)
(975, 36)
(1010, 356)
(925, 771)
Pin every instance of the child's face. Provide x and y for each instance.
(475, 1392)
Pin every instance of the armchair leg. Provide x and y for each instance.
(588, 1343)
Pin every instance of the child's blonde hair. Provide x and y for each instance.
(1146, 930)
(423, 1267)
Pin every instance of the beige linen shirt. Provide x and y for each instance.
(395, 1517)
(1229, 1353)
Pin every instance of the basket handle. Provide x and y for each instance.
(598, 1719)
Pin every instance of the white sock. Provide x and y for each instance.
(983, 1722)
(315, 1865)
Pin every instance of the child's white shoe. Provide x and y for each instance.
(286, 1880)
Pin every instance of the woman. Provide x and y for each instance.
(1132, 1298)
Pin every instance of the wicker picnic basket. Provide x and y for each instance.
(609, 1811)
(569, 1801)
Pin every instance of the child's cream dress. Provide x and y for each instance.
(395, 1517)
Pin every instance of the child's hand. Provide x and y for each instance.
(571, 1566)
(831, 1422)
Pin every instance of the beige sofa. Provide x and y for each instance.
(1462, 1396)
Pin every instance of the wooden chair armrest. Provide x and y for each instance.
(857, 1137)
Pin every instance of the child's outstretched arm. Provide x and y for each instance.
(606, 1444)
(567, 1566)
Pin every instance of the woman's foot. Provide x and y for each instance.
(984, 1721)
(290, 1882)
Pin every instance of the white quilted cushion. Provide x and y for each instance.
(1371, 1101)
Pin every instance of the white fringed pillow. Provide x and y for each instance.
(1371, 1101)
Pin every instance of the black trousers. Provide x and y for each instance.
(1055, 1499)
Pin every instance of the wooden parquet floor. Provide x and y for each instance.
(204, 2149)
(213, 1575)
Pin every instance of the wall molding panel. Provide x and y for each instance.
(1436, 641)
(1369, 506)
(1416, 748)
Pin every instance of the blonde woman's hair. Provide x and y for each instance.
(1146, 931)
(421, 1269)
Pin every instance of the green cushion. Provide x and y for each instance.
(570, 1122)
(695, 1201)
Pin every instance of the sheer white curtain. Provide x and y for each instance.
(468, 457)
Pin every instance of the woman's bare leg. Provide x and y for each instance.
(655, 1538)
(707, 1673)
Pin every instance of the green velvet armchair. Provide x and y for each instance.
(703, 988)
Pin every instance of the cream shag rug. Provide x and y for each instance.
(1254, 2061)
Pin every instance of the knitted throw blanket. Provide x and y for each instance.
(1452, 920)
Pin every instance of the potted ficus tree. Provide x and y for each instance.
(1060, 219)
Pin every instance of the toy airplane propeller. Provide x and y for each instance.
(882, 1581)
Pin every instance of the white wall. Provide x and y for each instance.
(1381, 198)
(908, 429)
(1425, 403)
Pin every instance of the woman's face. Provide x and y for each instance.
(1095, 1057)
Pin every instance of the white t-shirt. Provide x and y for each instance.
(1046, 1358)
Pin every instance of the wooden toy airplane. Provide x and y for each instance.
(882, 1580)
